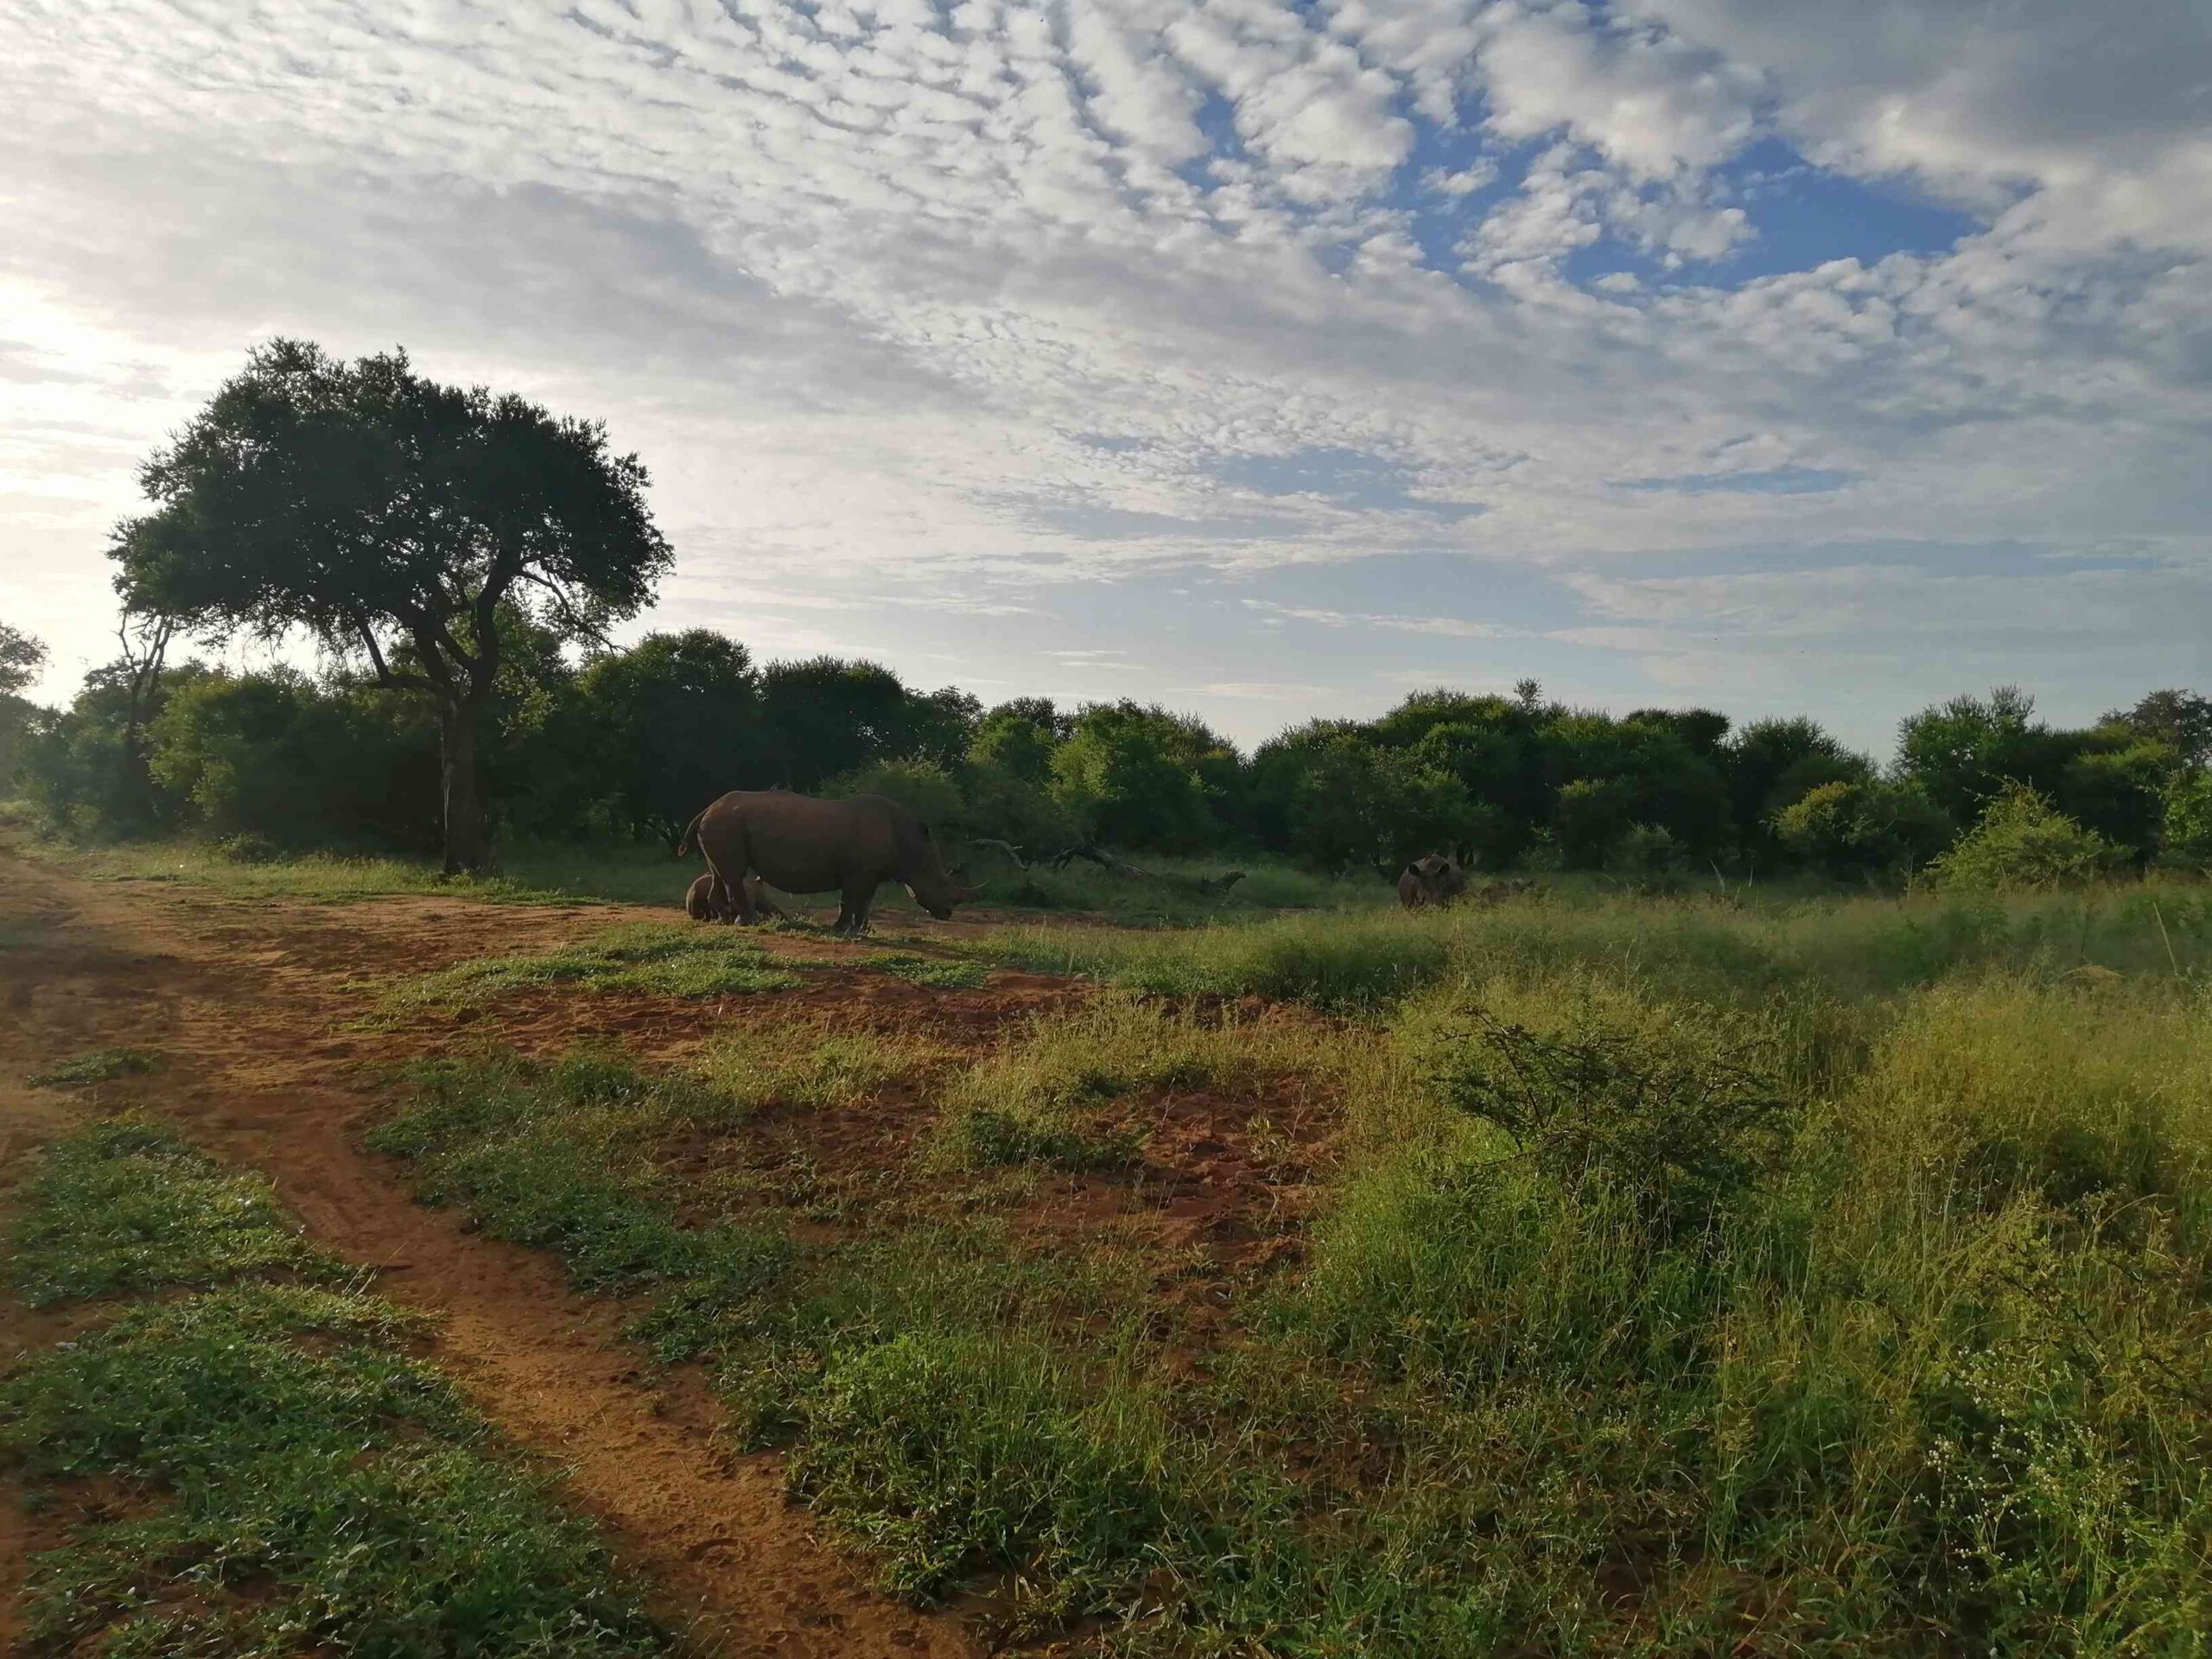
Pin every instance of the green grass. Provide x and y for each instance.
(753, 1065)
(1174, 900)
(285, 1477)
(101, 1066)
(955, 975)
(1826, 1277)
(1847, 948)
(126, 1205)
(630, 873)
(647, 958)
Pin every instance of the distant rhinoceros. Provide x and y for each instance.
(1432, 878)
(802, 845)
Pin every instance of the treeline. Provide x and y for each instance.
(630, 743)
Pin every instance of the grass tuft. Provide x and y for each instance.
(101, 1066)
(754, 1064)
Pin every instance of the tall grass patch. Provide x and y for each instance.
(1898, 1340)
(1702, 946)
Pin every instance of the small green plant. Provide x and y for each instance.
(128, 1206)
(101, 1066)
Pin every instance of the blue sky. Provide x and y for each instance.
(1270, 359)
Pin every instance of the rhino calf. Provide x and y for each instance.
(710, 901)
(1432, 878)
(705, 902)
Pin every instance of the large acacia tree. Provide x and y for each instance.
(393, 519)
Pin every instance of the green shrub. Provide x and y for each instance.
(1855, 827)
(1678, 1117)
(1647, 858)
(2023, 843)
(2186, 833)
(924, 787)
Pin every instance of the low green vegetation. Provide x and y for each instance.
(649, 958)
(1723, 947)
(753, 1065)
(100, 1065)
(1690, 1279)
(953, 974)
(125, 1205)
(278, 1475)
(530, 872)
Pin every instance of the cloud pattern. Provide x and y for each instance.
(1664, 311)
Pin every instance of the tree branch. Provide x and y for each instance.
(386, 677)
(570, 616)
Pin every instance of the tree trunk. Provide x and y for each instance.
(468, 847)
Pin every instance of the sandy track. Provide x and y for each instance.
(247, 1000)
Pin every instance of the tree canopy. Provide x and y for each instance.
(392, 518)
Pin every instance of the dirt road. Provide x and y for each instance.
(247, 1002)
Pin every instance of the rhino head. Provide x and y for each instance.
(932, 886)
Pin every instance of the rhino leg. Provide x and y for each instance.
(728, 860)
(852, 910)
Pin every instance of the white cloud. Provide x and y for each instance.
(1447, 628)
(1652, 104)
(960, 314)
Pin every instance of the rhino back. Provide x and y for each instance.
(801, 844)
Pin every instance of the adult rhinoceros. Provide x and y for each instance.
(802, 845)
(1432, 878)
